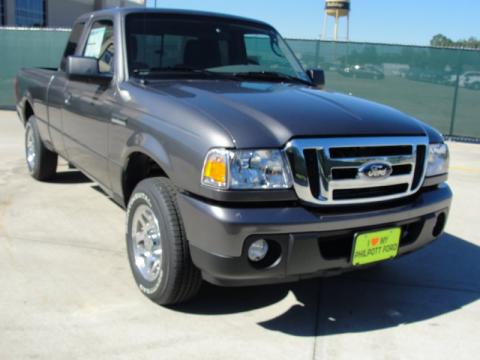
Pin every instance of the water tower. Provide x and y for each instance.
(336, 9)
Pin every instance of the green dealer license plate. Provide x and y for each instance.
(373, 246)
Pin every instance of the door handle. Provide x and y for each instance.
(117, 121)
(68, 98)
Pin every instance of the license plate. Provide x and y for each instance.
(374, 246)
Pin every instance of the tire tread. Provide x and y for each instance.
(188, 280)
(46, 163)
(185, 280)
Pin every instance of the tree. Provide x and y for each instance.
(471, 42)
(441, 40)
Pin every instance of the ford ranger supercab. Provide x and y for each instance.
(233, 163)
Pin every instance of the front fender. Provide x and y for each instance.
(137, 143)
(147, 144)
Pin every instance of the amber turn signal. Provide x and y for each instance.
(215, 169)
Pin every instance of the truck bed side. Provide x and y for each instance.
(32, 96)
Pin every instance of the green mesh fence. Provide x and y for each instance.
(27, 48)
(438, 86)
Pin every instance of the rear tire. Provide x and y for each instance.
(41, 162)
(157, 247)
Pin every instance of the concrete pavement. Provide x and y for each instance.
(67, 292)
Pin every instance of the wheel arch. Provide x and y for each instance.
(141, 163)
(27, 111)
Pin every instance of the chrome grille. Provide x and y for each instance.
(330, 171)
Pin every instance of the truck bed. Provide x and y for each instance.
(34, 82)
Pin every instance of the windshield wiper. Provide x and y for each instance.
(256, 75)
(270, 75)
(145, 73)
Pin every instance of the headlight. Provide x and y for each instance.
(246, 170)
(438, 159)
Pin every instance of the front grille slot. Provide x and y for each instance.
(313, 171)
(348, 194)
(357, 170)
(419, 166)
(344, 173)
(402, 170)
(357, 152)
(352, 173)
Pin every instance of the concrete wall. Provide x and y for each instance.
(10, 13)
(123, 3)
(61, 13)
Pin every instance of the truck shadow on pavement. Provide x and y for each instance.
(439, 279)
(70, 177)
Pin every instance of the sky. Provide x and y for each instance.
(412, 22)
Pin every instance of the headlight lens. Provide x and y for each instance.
(438, 160)
(246, 170)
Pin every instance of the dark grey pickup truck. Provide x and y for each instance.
(233, 164)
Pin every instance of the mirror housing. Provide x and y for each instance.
(85, 68)
(318, 77)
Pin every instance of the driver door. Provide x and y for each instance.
(88, 107)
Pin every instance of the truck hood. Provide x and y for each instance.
(260, 114)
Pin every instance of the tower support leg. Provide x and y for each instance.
(335, 31)
(325, 24)
(348, 27)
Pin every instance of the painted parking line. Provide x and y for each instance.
(467, 169)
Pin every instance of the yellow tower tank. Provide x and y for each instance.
(336, 9)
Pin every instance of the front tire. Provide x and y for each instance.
(41, 162)
(157, 247)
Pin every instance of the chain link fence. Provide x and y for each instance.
(439, 86)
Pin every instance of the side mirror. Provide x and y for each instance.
(318, 77)
(85, 68)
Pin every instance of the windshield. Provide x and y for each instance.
(178, 45)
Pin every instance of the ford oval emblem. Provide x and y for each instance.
(376, 170)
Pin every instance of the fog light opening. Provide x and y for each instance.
(258, 250)
(263, 254)
(439, 226)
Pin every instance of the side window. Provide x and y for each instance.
(100, 45)
(72, 43)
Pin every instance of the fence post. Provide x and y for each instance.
(455, 94)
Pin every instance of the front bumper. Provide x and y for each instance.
(310, 242)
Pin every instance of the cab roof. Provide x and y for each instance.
(124, 11)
